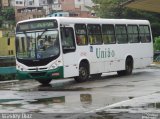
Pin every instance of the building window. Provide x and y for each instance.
(8, 41)
(30, 2)
(11, 52)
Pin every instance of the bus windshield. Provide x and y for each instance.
(34, 45)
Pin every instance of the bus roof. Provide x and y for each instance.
(90, 20)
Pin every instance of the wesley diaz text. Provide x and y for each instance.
(16, 116)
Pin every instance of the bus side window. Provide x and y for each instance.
(121, 34)
(133, 36)
(68, 41)
(81, 34)
(144, 34)
(108, 34)
(94, 34)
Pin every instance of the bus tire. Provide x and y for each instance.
(44, 81)
(128, 67)
(83, 73)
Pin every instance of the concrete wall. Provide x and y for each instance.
(68, 5)
(5, 48)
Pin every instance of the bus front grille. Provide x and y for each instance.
(38, 74)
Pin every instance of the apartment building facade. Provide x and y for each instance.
(27, 9)
(75, 8)
(4, 3)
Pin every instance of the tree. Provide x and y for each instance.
(157, 44)
(7, 15)
(109, 8)
(115, 9)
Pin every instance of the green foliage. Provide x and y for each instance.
(114, 9)
(7, 15)
(108, 8)
(155, 28)
(157, 44)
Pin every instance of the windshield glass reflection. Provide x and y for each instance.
(37, 45)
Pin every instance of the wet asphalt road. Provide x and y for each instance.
(137, 93)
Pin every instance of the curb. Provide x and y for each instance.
(10, 81)
(156, 64)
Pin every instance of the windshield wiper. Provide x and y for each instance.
(39, 36)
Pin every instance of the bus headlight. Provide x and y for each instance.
(55, 65)
(19, 67)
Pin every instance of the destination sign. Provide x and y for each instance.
(37, 25)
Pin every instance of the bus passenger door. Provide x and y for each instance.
(69, 47)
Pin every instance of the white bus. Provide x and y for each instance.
(55, 48)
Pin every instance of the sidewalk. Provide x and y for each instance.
(155, 64)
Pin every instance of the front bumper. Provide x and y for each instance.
(47, 74)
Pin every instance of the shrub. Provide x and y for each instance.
(157, 44)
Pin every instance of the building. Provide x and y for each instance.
(27, 9)
(7, 46)
(76, 8)
(4, 3)
(23, 13)
(59, 14)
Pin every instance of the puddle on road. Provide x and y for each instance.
(8, 100)
(34, 86)
(60, 88)
(59, 100)
(76, 102)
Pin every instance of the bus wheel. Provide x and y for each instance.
(128, 68)
(83, 73)
(44, 81)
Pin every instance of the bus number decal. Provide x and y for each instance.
(83, 54)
